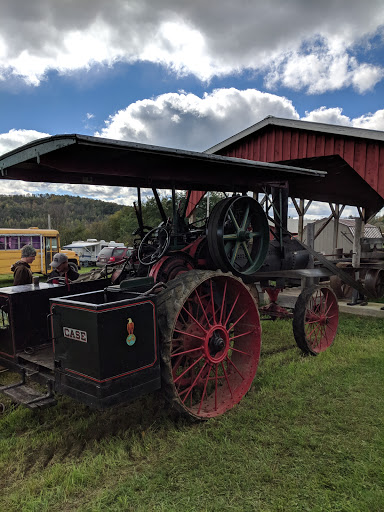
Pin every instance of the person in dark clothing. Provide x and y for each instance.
(22, 273)
(63, 268)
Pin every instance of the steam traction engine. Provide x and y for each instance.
(182, 313)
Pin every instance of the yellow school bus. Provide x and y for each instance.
(45, 241)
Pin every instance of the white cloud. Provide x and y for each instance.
(305, 45)
(187, 121)
(323, 69)
(15, 138)
(328, 116)
(183, 121)
(118, 195)
(370, 121)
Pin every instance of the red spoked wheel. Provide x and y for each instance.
(315, 319)
(211, 340)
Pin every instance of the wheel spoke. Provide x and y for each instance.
(233, 218)
(241, 351)
(186, 352)
(242, 334)
(240, 317)
(234, 253)
(189, 334)
(326, 313)
(194, 319)
(222, 303)
(176, 365)
(247, 253)
(188, 369)
(245, 222)
(226, 378)
(235, 367)
(194, 382)
(212, 301)
(232, 308)
(202, 308)
(204, 390)
(230, 236)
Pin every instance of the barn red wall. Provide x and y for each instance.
(280, 144)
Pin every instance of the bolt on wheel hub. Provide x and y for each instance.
(216, 344)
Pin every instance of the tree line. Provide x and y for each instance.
(78, 218)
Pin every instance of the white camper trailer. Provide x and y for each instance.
(88, 251)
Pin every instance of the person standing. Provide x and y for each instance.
(22, 273)
(62, 268)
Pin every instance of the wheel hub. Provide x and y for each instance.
(319, 319)
(216, 344)
(244, 236)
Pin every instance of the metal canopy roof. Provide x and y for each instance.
(81, 159)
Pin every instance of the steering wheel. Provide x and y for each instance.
(153, 246)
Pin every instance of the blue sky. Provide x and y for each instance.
(183, 74)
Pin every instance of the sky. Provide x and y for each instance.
(183, 74)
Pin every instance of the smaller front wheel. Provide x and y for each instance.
(315, 319)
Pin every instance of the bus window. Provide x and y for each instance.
(25, 240)
(36, 242)
(50, 249)
(13, 242)
(2, 243)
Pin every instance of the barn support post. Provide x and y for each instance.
(301, 220)
(301, 209)
(336, 215)
(308, 281)
(359, 231)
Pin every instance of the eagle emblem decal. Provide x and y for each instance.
(131, 338)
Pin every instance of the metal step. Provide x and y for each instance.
(23, 394)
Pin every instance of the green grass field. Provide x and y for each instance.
(309, 436)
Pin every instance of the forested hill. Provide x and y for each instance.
(74, 217)
(77, 218)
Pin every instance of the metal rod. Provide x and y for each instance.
(186, 203)
(159, 206)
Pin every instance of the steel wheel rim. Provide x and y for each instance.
(321, 320)
(215, 350)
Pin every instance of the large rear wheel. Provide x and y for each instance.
(211, 340)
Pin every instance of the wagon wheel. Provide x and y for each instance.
(153, 246)
(374, 282)
(238, 236)
(211, 339)
(315, 319)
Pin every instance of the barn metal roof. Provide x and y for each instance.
(81, 159)
(370, 231)
(352, 157)
(331, 129)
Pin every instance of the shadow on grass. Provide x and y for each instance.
(69, 431)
